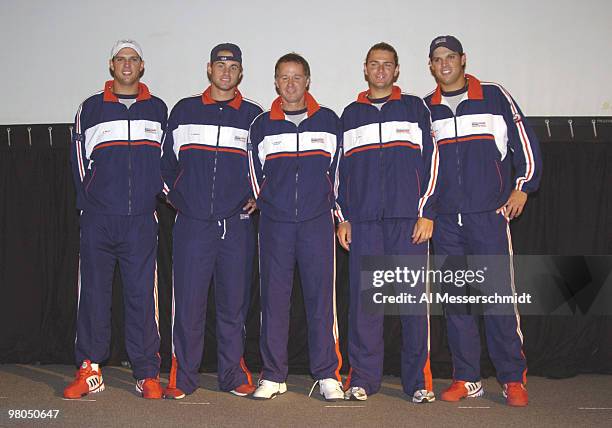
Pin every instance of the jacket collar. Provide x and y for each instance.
(474, 91)
(277, 113)
(234, 103)
(363, 97)
(143, 92)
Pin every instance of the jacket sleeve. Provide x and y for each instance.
(427, 202)
(341, 178)
(524, 146)
(256, 175)
(78, 159)
(333, 171)
(169, 161)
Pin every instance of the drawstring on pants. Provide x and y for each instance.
(224, 228)
(459, 219)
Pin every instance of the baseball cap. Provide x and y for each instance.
(449, 42)
(234, 49)
(126, 43)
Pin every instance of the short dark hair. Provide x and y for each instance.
(293, 57)
(382, 46)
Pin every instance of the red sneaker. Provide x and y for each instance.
(460, 389)
(173, 393)
(243, 390)
(516, 394)
(87, 381)
(149, 388)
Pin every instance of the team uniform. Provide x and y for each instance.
(387, 181)
(115, 159)
(292, 169)
(479, 145)
(205, 169)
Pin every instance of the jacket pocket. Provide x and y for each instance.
(499, 176)
(91, 179)
(178, 178)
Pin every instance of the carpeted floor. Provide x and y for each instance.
(584, 400)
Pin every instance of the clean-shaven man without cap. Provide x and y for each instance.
(385, 207)
(293, 156)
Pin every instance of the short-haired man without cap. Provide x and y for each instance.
(293, 156)
(205, 168)
(385, 199)
(481, 134)
(115, 156)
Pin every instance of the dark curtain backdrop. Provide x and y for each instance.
(570, 215)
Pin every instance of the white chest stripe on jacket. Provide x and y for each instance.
(474, 124)
(287, 143)
(389, 131)
(229, 137)
(117, 130)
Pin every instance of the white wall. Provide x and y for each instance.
(553, 56)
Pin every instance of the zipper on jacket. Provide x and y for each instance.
(129, 163)
(297, 169)
(212, 193)
(381, 164)
(459, 180)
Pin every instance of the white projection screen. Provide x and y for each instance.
(553, 56)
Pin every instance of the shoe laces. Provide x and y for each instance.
(457, 384)
(84, 372)
(514, 386)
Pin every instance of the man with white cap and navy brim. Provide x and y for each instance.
(115, 155)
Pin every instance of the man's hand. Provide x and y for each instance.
(250, 206)
(514, 205)
(423, 229)
(344, 235)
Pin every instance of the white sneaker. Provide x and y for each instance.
(331, 389)
(355, 393)
(268, 389)
(423, 396)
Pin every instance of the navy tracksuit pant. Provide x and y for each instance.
(366, 344)
(203, 249)
(482, 234)
(131, 241)
(311, 244)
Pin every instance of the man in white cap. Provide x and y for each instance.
(115, 155)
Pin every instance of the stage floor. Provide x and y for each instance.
(584, 400)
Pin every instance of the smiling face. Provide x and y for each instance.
(126, 67)
(224, 75)
(292, 83)
(448, 69)
(381, 72)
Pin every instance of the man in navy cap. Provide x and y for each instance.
(482, 136)
(205, 169)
